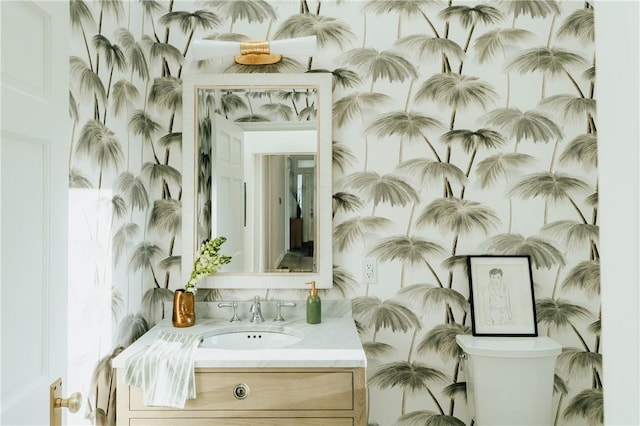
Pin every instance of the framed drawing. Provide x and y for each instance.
(501, 296)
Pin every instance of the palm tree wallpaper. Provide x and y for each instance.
(459, 127)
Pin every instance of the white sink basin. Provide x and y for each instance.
(251, 337)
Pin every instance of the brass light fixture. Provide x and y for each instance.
(256, 53)
(253, 52)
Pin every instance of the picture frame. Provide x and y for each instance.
(501, 296)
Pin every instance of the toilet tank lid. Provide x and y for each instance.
(511, 347)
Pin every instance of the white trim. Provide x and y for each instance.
(322, 82)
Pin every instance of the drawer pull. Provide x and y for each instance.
(241, 391)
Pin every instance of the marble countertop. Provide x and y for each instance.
(332, 343)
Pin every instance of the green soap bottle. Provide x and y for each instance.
(314, 305)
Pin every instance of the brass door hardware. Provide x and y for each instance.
(73, 403)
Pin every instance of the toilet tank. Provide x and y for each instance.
(509, 379)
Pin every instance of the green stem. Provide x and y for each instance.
(456, 371)
(575, 206)
(436, 401)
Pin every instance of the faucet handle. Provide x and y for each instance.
(256, 311)
(234, 305)
(279, 305)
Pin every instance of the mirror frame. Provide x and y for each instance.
(323, 251)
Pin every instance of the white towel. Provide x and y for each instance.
(165, 370)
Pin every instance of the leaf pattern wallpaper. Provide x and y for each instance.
(458, 128)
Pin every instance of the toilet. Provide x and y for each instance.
(509, 379)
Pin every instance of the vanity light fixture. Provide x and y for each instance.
(254, 52)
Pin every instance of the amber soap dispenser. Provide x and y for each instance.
(314, 305)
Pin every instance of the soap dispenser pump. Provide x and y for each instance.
(314, 307)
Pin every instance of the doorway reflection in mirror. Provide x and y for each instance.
(257, 177)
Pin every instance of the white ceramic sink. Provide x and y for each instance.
(251, 337)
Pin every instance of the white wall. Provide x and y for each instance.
(617, 84)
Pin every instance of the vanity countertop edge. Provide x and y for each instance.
(334, 343)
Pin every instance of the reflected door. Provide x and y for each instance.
(308, 198)
(228, 197)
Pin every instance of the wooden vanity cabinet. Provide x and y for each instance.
(257, 397)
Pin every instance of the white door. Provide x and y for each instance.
(308, 204)
(228, 208)
(34, 141)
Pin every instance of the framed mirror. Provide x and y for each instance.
(257, 170)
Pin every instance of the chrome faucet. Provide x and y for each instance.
(257, 317)
(279, 305)
(233, 305)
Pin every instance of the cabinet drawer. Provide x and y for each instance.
(266, 391)
(300, 421)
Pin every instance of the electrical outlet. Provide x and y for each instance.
(369, 270)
